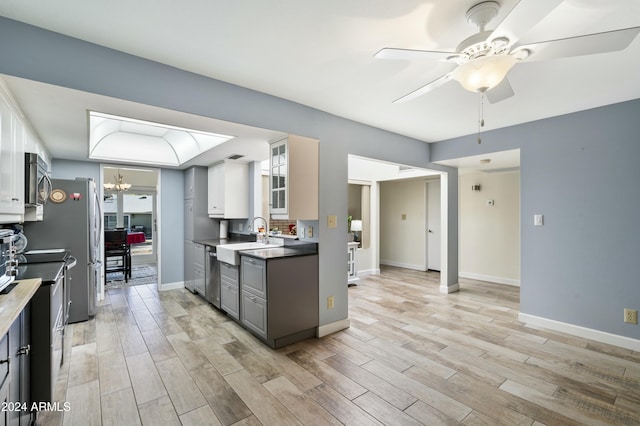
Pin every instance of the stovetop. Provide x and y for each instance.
(44, 256)
(49, 272)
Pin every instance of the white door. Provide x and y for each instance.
(433, 225)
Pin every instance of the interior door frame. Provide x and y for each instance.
(431, 247)
(153, 257)
(156, 221)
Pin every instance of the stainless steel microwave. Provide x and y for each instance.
(37, 184)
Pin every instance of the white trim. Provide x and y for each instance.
(366, 272)
(446, 289)
(489, 278)
(325, 330)
(171, 286)
(576, 330)
(402, 265)
(157, 235)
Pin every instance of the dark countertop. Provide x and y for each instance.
(48, 272)
(42, 256)
(276, 252)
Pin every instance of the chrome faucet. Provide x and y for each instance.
(266, 224)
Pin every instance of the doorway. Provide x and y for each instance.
(132, 205)
(434, 235)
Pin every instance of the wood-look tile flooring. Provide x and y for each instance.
(411, 356)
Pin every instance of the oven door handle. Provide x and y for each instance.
(71, 262)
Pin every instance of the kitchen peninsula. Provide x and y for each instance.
(270, 289)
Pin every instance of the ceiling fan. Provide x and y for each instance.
(481, 62)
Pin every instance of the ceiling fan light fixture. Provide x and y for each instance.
(483, 73)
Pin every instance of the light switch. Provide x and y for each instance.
(332, 221)
(538, 220)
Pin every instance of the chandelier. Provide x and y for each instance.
(119, 185)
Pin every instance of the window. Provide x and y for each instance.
(111, 220)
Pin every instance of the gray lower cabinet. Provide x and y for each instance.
(198, 269)
(229, 290)
(15, 372)
(5, 379)
(279, 298)
(189, 276)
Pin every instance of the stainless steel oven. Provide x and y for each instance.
(8, 262)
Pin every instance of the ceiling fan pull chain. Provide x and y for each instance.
(481, 116)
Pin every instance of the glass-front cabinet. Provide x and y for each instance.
(294, 178)
(279, 180)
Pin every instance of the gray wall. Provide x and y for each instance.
(171, 254)
(37, 54)
(581, 171)
(67, 169)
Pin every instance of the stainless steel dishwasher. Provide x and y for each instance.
(212, 277)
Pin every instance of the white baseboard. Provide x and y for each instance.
(444, 289)
(576, 330)
(171, 286)
(489, 278)
(403, 265)
(325, 330)
(366, 272)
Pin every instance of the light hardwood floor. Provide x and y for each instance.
(411, 356)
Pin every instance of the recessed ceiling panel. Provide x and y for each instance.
(122, 139)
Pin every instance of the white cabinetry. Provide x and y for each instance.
(294, 177)
(228, 191)
(11, 164)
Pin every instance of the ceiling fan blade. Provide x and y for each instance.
(610, 41)
(501, 92)
(411, 54)
(524, 16)
(425, 89)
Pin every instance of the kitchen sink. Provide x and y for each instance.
(228, 253)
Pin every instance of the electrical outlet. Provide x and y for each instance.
(631, 316)
(332, 221)
(310, 232)
(330, 302)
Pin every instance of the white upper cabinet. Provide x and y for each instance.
(12, 137)
(294, 177)
(228, 190)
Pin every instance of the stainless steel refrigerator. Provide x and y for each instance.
(73, 221)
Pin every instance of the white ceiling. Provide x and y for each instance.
(320, 53)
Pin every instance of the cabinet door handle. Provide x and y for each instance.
(24, 350)
(15, 199)
(252, 298)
